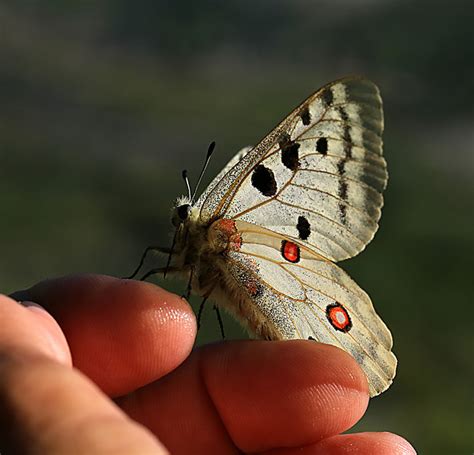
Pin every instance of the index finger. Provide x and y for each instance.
(123, 334)
(252, 396)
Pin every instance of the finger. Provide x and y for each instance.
(121, 333)
(355, 444)
(253, 396)
(32, 349)
(30, 327)
(47, 407)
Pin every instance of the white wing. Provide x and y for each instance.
(309, 297)
(233, 161)
(317, 177)
(309, 193)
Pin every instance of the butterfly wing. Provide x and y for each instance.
(233, 161)
(297, 294)
(317, 177)
(309, 193)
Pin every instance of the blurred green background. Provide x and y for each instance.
(103, 103)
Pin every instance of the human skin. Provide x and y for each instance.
(107, 366)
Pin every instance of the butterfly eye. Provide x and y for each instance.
(181, 214)
(183, 211)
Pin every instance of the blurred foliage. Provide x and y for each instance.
(103, 103)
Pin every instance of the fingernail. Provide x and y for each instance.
(20, 296)
(28, 303)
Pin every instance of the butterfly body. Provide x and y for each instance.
(263, 237)
(202, 252)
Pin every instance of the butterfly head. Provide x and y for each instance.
(182, 211)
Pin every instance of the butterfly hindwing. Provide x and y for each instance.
(298, 294)
(317, 178)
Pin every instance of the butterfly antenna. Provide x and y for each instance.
(186, 181)
(211, 148)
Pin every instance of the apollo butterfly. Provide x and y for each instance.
(264, 236)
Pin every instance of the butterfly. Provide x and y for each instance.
(264, 237)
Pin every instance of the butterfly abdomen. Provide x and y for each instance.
(223, 239)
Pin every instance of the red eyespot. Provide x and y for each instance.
(338, 317)
(290, 251)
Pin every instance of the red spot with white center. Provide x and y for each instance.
(290, 251)
(338, 317)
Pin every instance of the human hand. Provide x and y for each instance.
(135, 388)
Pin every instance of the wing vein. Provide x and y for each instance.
(362, 212)
(356, 182)
(327, 218)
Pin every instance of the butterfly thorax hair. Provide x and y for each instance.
(197, 246)
(200, 249)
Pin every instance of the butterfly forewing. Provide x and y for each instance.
(322, 166)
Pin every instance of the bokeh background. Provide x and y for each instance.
(103, 103)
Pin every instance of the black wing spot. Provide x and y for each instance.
(347, 142)
(311, 338)
(289, 152)
(264, 181)
(322, 145)
(305, 116)
(304, 228)
(290, 156)
(343, 114)
(343, 213)
(341, 167)
(348, 150)
(343, 189)
(328, 97)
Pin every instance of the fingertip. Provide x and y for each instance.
(172, 309)
(122, 333)
(252, 396)
(49, 408)
(54, 334)
(29, 326)
(383, 443)
(399, 445)
(288, 393)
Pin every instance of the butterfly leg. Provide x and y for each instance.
(189, 286)
(144, 255)
(157, 271)
(221, 325)
(201, 307)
